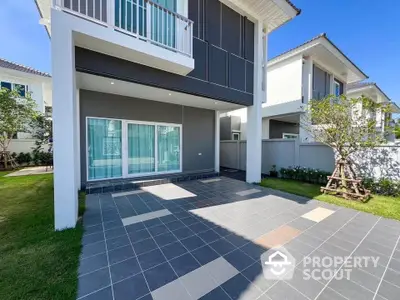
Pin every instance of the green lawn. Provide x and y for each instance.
(388, 207)
(35, 261)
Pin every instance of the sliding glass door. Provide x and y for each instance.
(141, 152)
(104, 145)
(123, 148)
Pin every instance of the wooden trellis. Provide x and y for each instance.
(7, 160)
(344, 183)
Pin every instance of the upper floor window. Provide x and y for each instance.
(20, 88)
(338, 88)
(321, 83)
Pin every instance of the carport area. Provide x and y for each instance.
(203, 239)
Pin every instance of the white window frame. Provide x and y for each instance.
(235, 133)
(291, 134)
(124, 148)
(13, 84)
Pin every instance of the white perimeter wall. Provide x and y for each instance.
(23, 145)
(379, 162)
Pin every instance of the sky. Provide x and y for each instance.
(367, 31)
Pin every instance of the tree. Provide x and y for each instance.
(42, 132)
(397, 129)
(16, 113)
(348, 126)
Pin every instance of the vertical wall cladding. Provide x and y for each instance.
(223, 45)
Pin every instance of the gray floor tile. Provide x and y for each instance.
(165, 239)
(93, 229)
(144, 246)
(221, 270)
(329, 294)
(117, 242)
(364, 279)
(307, 286)
(114, 233)
(217, 293)
(119, 254)
(192, 243)
(159, 276)
(104, 294)
(93, 249)
(392, 277)
(173, 250)
(350, 289)
(334, 250)
(389, 291)
(222, 246)
(92, 238)
(93, 282)
(184, 264)
(124, 269)
(238, 287)
(395, 265)
(133, 287)
(93, 263)
(183, 233)
(139, 235)
(151, 259)
(239, 259)
(112, 224)
(301, 224)
(205, 254)
(172, 290)
(283, 291)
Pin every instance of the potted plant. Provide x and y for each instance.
(273, 172)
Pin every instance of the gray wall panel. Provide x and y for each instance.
(277, 128)
(197, 124)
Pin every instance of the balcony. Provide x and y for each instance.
(143, 20)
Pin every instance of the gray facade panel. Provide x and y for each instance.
(277, 128)
(197, 124)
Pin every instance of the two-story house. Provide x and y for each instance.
(312, 70)
(139, 86)
(25, 80)
(374, 92)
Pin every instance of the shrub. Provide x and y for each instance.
(383, 186)
(305, 174)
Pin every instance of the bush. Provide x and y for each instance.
(39, 158)
(305, 174)
(383, 186)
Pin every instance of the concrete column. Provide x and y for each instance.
(304, 136)
(217, 141)
(64, 125)
(265, 128)
(254, 115)
(308, 80)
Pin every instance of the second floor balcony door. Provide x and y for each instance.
(151, 20)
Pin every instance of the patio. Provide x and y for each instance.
(204, 238)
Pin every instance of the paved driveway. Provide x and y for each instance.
(204, 239)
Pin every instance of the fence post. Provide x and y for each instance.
(238, 155)
(297, 152)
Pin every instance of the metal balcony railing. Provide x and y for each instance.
(142, 19)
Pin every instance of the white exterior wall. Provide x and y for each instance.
(38, 86)
(284, 81)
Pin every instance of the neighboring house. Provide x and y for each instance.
(26, 80)
(312, 70)
(139, 86)
(374, 92)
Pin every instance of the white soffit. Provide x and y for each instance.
(326, 55)
(273, 13)
(104, 85)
